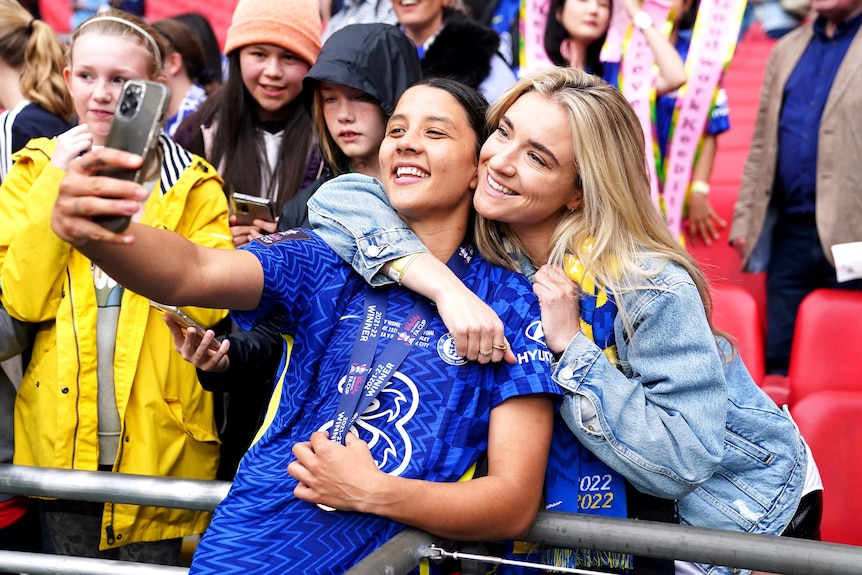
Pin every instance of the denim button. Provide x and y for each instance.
(373, 251)
(567, 373)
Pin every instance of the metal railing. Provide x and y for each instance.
(403, 552)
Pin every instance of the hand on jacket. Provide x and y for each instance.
(71, 144)
(558, 300)
(739, 244)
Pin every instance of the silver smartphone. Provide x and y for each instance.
(249, 208)
(136, 126)
(183, 319)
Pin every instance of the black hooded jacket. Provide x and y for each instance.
(462, 51)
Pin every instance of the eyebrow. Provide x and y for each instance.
(538, 145)
(432, 119)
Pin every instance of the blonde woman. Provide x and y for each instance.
(653, 391)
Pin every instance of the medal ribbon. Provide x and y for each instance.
(365, 378)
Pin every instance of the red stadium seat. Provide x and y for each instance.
(829, 422)
(735, 312)
(827, 343)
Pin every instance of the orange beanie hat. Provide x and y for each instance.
(291, 24)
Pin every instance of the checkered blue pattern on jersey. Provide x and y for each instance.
(430, 422)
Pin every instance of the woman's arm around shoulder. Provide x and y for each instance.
(353, 215)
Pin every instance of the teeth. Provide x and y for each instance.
(410, 172)
(409, 2)
(500, 187)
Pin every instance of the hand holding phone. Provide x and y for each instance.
(183, 320)
(249, 208)
(135, 128)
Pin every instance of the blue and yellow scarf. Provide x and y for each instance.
(576, 480)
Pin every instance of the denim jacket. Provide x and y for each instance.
(679, 416)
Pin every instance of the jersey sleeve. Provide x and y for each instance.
(296, 265)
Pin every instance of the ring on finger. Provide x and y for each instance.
(503, 347)
(485, 352)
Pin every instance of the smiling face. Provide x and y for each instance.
(355, 121)
(585, 20)
(527, 170)
(428, 157)
(420, 18)
(100, 65)
(273, 76)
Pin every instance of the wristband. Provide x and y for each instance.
(699, 187)
(399, 266)
(642, 21)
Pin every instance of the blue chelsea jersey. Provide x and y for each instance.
(429, 422)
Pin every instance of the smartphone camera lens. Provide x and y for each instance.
(131, 100)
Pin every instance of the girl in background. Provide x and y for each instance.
(184, 69)
(575, 33)
(34, 97)
(255, 129)
(216, 63)
(104, 389)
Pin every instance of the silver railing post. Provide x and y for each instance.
(101, 486)
(43, 564)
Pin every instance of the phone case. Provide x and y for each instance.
(249, 208)
(137, 122)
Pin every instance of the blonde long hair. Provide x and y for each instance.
(30, 45)
(618, 224)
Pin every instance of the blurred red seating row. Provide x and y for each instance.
(823, 389)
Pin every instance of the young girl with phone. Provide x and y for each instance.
(104, 389)
(255, 128)
(361, 71)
